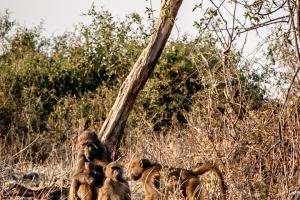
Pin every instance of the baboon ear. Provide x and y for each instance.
(104, 168)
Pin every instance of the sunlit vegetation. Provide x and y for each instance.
(190, 111)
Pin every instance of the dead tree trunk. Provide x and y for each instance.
(114, 124)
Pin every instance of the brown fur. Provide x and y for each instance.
(149, 176)
(178, 179)
(115, 187)
(88, 176)
(208, 167)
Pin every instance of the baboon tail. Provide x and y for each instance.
(208, 167)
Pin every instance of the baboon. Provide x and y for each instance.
(115, 187)
(185, 180)
(88, 174)
(149, 174)
(189, 182)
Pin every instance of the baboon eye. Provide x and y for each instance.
(84, 144)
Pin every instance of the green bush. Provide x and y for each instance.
(61, 85)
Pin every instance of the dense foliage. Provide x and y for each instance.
(70, 81)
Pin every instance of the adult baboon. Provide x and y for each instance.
(115, 187)
(189, 183)
(185, 180)
(88, 174)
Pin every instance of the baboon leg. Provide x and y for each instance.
(85, 192)
(73, 189)
(195, 190)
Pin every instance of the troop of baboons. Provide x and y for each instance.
(96, 177)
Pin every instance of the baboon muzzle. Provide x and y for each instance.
(89, 153)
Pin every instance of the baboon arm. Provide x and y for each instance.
(152, 188)
(79, 165)
(127, 196)
(156, 181)
(73, 189)
(152, 193)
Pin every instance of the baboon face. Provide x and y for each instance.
(87, 141)
(117, 173)
(89, 151)
(137, 167)
(114, 171)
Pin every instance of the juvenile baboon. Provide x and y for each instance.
(149, 174)
(88, 174)
(115, 187)
(185, 180)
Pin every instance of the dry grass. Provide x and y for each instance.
(258, 158)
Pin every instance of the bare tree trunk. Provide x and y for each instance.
(114, 124)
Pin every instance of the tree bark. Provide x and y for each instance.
(114, 124)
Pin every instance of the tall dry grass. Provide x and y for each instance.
(258, 158)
